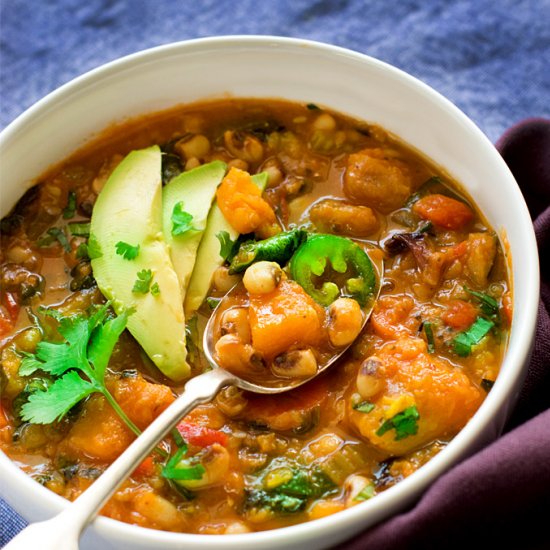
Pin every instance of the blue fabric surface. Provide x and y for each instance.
(492, 59)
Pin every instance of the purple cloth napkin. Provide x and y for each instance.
(500, 497)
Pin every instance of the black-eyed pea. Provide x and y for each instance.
(368, 380)
(353, 486)
(235, 356)
(238, 163)
(235, 321)
(300, 363)
(223, 280)
(324, 122)
(244, 146)
(215, 461)
(345, 321)
(231, 401)
(193, 146)
(191, 163)
(262, 277)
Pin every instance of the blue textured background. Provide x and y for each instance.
(491, 58)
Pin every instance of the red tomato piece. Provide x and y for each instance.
(443, 211)
(146, 468)
(459, 314)
(201, 436)
(10, 302)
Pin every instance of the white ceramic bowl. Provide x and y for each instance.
(304, 71)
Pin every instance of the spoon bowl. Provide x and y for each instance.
(272, 384)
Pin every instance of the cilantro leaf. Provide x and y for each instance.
(227, 245)
(29, 364)
(78, 365)
(53, 234)
(364, 406)
(181, 220)
(45, 407)
(143, 282)
(102, 343)
(404, 424)
(70, 209)
(212, 302)
(181, 468)
(127, 251)
(463, 342)
(487, 303)
(155, 289)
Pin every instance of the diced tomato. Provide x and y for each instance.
(459, 249)
(5, 324)
(459, 314)
(9, 311)
(11, 303)
(507, 307)
(201, 436)
(146, 468)
(443, 211)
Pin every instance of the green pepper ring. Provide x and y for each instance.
(311, 260)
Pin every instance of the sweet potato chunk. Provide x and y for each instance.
(377, 181)
(443, 395)
(142, 401)
(98, 434)
(444, 211)
(242, 204)
(284, 318)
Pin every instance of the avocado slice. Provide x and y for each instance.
(129, 210)
(192, 192)
(208, 255)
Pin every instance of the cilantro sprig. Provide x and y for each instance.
(77, 365)
(143, 281)
(55, 234)
(227, 245)
(405, 423)
(180, 468)
(127, 251)
(464, 341)
(181, 220)
(487, 304)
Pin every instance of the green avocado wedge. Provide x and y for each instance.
(129, 211)
(208, 254)
(186, 201)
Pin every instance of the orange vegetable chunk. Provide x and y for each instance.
(241, 202)
(459, 314)
(443, 211)
(284, 318)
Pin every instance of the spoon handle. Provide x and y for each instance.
(69, 524)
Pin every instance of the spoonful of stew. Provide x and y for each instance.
(277, 329)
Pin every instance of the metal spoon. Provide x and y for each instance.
(63, 531)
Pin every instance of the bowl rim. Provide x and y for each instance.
(506, 387)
